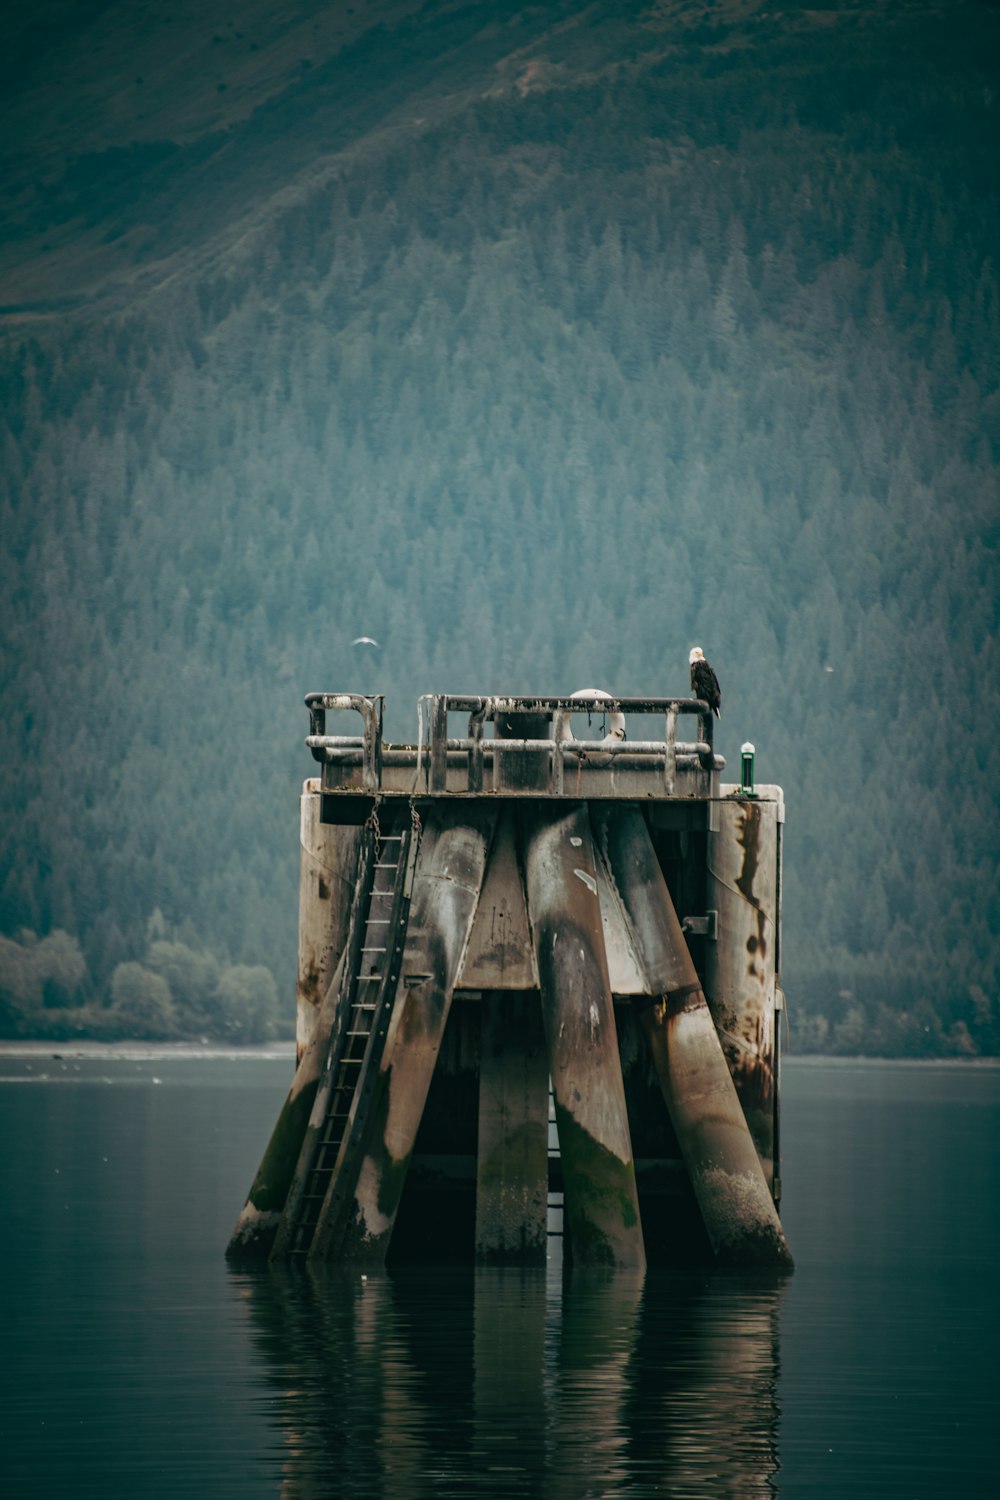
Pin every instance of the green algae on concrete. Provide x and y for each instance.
(600, 1197)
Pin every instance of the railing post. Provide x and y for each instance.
(707, 726)
(558, 767)
(477, 721)
(670, 764)
(439, 743)
(371, 713)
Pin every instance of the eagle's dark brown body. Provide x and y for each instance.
(705, 685)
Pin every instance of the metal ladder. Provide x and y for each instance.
(375, 943)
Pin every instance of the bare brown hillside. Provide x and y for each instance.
(138, 139)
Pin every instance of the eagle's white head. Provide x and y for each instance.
(697, 654)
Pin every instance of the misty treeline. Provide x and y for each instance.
(702, 350)
(173, 993)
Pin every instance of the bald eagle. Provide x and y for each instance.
(704, 683)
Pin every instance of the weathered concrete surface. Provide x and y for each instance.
(499, 953)
(740, 966)
(512, 1165)
(258, 1223)
(600, 1198)
(624, 969)
(327, 871)
(356, 1220)
(718, 1150)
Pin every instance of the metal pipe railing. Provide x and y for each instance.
(478, 751)
(370, 709)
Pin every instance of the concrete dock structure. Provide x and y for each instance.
(507, 923)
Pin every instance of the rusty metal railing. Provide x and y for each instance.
(324, 746)
(432, 756)
(559, 710)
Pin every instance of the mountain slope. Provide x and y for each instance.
(537, 348)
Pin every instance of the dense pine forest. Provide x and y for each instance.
(538, 343)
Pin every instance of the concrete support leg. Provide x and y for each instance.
(740, 978)
(601, 1202)
(512, 1170)
(722, 1161)
(327, 870)
(258, 1223)
(357, 1219)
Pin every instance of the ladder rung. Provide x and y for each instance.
(346, 1074)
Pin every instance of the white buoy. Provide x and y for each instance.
(593, 698)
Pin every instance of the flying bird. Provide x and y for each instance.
(363, 640)
(704, 683)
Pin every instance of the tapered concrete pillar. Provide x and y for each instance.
(718, 1150)
(357, 1218)
(258, 1223)
(513, 1159)
(601, 1202)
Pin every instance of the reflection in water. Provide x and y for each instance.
(511, 1382)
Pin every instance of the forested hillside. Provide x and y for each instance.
(538, 343)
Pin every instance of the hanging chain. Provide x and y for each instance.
(373, 824)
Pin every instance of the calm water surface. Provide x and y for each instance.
(135, 1362)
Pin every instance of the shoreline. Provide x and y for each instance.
(146, 1051)
(285, 1051)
